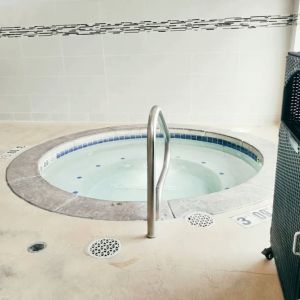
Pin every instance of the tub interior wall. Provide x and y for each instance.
(213, 77)
(113, 166)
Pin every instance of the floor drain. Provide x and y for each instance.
(36, 247)
(200, 219)
(104, 248)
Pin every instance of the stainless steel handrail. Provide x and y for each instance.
(154, 190)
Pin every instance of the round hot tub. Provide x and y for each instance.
(115, 167)
(102, 173)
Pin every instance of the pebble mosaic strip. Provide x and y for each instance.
(184, 136)
(150, 26)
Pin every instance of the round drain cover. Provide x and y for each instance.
(199, 219)
(36, 247)
(104, 248)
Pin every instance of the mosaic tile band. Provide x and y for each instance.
(150, 26)
(199, 138)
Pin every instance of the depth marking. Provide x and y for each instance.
(254, 217)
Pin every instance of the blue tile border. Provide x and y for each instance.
(183, 136)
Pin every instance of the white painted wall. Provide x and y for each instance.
(232, 77)
(296, 30)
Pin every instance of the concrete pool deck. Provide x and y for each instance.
(219, 262)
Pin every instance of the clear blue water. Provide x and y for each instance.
(118, 171)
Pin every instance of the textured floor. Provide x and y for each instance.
(220, 262)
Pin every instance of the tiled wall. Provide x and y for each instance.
(205, 73)
(296, 31)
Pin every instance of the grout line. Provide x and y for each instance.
(107, 101)
(65, 203)
(64, 76)
(246, 272)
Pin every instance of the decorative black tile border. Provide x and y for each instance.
(150, 26)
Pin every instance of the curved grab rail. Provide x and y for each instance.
(154, 190)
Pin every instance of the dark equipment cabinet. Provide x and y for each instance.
(285, 235)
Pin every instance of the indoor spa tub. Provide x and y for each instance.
(102, 173)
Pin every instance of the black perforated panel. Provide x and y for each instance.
(286, 214)
(291, 96)
(292, 65)
(286, 207)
